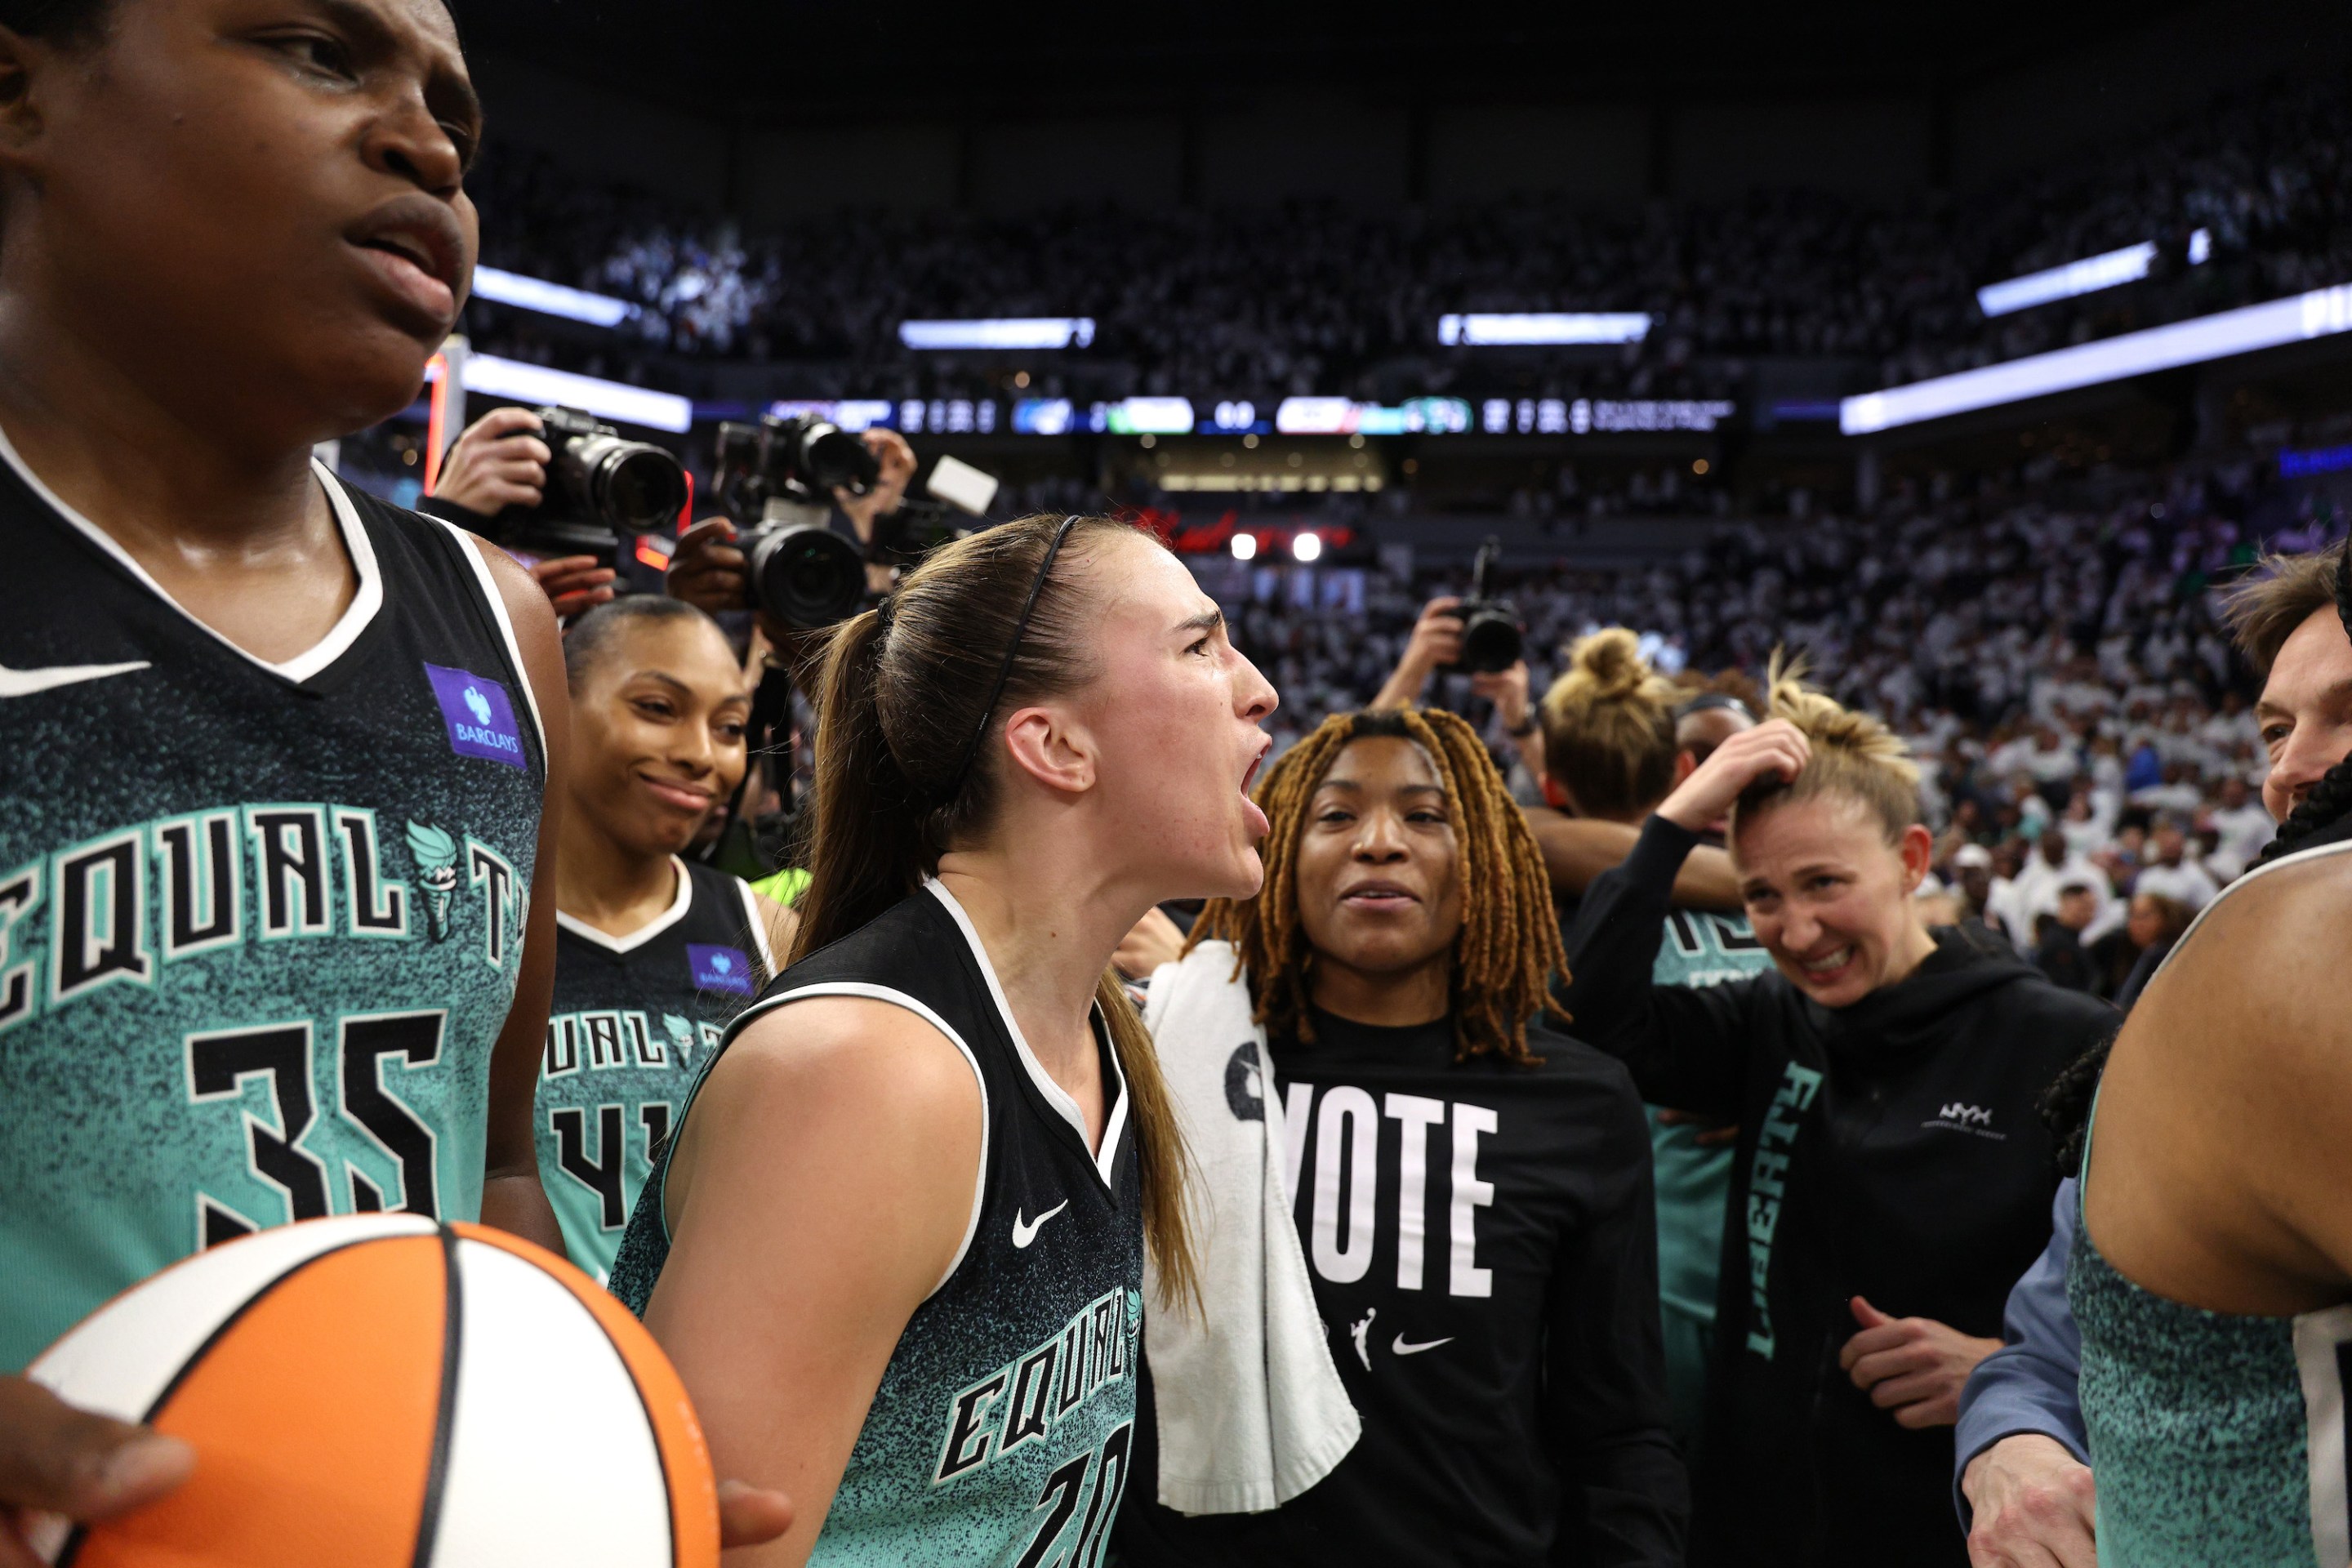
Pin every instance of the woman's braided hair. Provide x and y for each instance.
(1509, 948)
(2066, 1108)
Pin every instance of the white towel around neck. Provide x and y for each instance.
(1252, 1410)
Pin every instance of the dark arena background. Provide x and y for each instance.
(1696, 310)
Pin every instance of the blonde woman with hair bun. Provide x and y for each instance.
(1892, 1177)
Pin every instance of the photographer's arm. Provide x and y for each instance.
(498, 461)
(1436, 641)
(897, 462)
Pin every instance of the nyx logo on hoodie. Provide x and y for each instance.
(1960, 1117)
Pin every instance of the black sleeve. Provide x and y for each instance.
(1686, 1046)
(1624, 1498)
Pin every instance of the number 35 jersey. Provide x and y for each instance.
(259, 923)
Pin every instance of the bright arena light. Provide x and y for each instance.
(2087, 275)
(1245, 547)
(526, 383)
(1520, 330)
(2321, 312)
(1306, 547)
(1001, 332)
(549, 299)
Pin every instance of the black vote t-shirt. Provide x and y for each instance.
(1484, 1253)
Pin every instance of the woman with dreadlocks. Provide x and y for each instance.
(1884, 1078)
(2212, 1275)
(1472, 1186)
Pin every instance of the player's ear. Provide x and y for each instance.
(25, 65)
(1051, 747)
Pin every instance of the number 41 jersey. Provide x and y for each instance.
(258, 924)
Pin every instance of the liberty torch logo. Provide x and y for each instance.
(435, 854)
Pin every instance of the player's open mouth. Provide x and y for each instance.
(1259, 826)
(1384, 898)
(1830, 966)
(414, 246)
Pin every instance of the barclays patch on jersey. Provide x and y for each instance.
(480, 716)
(719, 968)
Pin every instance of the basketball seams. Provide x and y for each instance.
(616, 1322)
(437, 1473)
(72, 1548)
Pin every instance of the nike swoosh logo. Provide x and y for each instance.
(1401, 1348)
(25, 682)
(1026, 1231)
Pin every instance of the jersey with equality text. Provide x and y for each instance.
(1003, 1429)
(259, 924)
(633, 1017)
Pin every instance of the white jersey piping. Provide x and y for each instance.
(1055, 1094)
(643, 933)
(467, 547)
(365, 601)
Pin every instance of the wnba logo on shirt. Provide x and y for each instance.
(480, 714)
(718, 968)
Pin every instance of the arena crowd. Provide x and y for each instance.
(1183, 1076)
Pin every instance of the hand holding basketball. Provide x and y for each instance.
(59, 1461)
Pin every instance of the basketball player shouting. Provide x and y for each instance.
(275, 754)
(654, 954)
(897, 1254)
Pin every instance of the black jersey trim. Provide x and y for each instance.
(872, 992)
(1105, 1159)
(471, 551)
(367, 602)
(680, 907)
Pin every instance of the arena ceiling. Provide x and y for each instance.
(795, 61)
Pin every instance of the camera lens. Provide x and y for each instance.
(806, 575)
(831, 455)
(630, 486)
(1491, 643)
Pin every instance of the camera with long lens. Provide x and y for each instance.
(776, 478)
(600, 486)
(1491, 639)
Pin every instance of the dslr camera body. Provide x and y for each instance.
(600, 486)
(776, 478)
(1492, 636)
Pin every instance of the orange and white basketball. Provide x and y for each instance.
(384, 1392)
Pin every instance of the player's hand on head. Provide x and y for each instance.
(1915, 1367)
(2034, 1504)
(1775, 749)
(56, 1459)
(498, 461)
(574, 584)
(707, 570)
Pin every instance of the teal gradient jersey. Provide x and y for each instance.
(1695, 1183)
(1000, 1435)
(634, 1019)
(259, 924)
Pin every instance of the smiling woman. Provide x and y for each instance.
(1472, 1186)
(1886, 1079)
(654, 954)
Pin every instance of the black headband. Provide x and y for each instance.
(1005, 671)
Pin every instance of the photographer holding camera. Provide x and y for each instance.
(495, 482)
(1437, 644)
(711, 571)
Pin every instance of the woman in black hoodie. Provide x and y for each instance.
(1884, 1078)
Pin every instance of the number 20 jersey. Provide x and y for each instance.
(258, 925)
